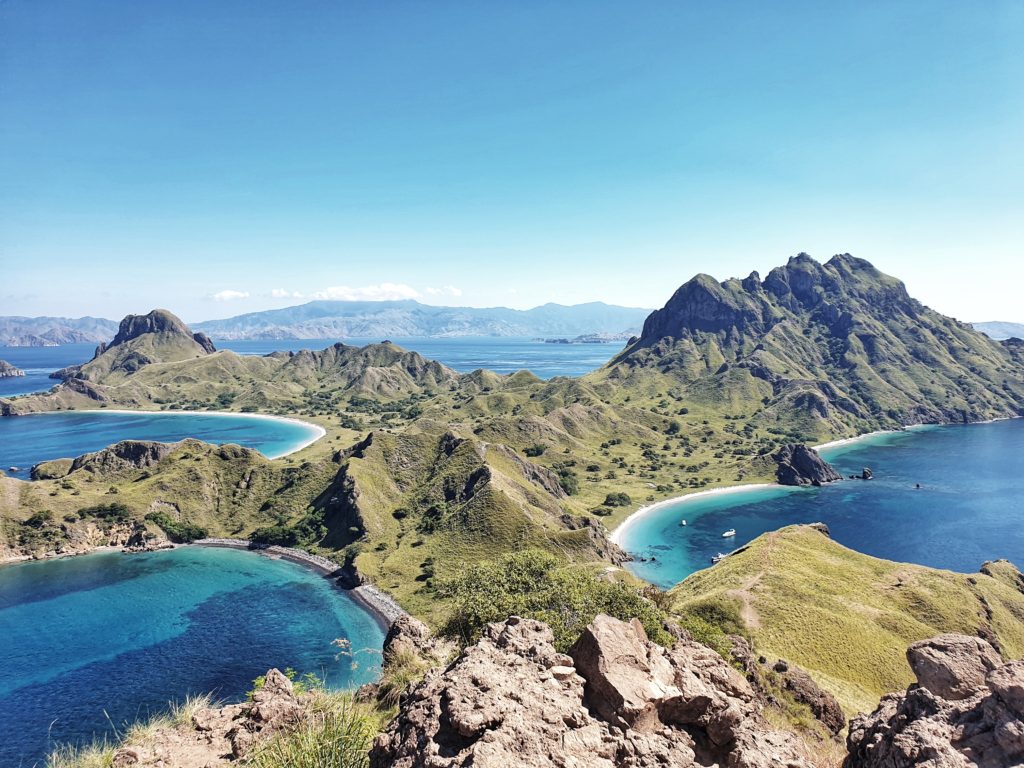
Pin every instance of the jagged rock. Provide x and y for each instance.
(977, 724)
(866, 474)
(8, 371)
(615, 700)
(791, 679)
(128, 454)
(823, 705)
(800, 465)
(952, 666)
(220, 735)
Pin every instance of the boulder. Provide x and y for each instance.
(615, 700)
(952, 666)
(963, 712)
(798, 464)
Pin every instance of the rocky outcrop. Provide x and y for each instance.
(615, 700)
(797, 464)
(157, 321)
(779, 680)
(8, 371)
(967, 709)
(128, 454)
(220, 735)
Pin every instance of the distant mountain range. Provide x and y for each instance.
(381, 319)
(52, 331)
(354, 319)
(999, 330)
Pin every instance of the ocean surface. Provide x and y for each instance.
(27, 440)
(464, 354)
(92, 643)
(969, 508)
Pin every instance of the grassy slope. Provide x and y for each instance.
(847, 617)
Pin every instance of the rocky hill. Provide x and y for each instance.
(8, 371)
(383, 319)
(141, 340)
(832, 347)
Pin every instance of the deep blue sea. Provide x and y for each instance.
(969, 508)
(27, 440)
(91, 643)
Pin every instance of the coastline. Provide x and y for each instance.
(317, 432)
(381, 606)
(615, 537)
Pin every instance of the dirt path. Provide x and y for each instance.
(747, 611)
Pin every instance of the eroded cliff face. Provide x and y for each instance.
(966, 709)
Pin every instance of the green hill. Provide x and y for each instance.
(846, 617)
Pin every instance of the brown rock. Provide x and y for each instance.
(977, 725)
(952, 666)
(1007, 682)
(219, 735)
(617, 700)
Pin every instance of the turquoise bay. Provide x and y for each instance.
(139, 630)
(969, 508)
(27, 440)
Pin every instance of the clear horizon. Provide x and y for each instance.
(222, 159)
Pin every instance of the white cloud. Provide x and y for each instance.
(381, 292)
(281, 293)
(447, 290)
(230, 295)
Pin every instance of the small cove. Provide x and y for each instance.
(28, 440)
(140, 630)
(969, 508)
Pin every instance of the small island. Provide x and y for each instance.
(8, 371)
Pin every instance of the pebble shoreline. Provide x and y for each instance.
(381, 605)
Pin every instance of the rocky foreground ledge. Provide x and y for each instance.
(616, 700)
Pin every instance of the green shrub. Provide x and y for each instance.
(114, 512)
(176, 530)
(532, 584)
(338, 734)
(618, 499)
(279, 535)
(534, 450)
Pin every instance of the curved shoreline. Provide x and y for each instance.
(616, 535)
(380, 605)
(318, 432)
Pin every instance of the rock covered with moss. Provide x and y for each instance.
(615, 699)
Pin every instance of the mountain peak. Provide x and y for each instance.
(157, 321)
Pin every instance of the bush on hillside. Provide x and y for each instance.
(177, 531)
(533, 584)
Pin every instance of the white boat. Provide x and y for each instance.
(682, 522)
(718, 558)
(730, 532)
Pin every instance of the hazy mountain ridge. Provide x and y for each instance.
(342, 319)
(17, 331)
(1000, 330)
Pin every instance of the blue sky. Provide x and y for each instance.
(217, 158)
